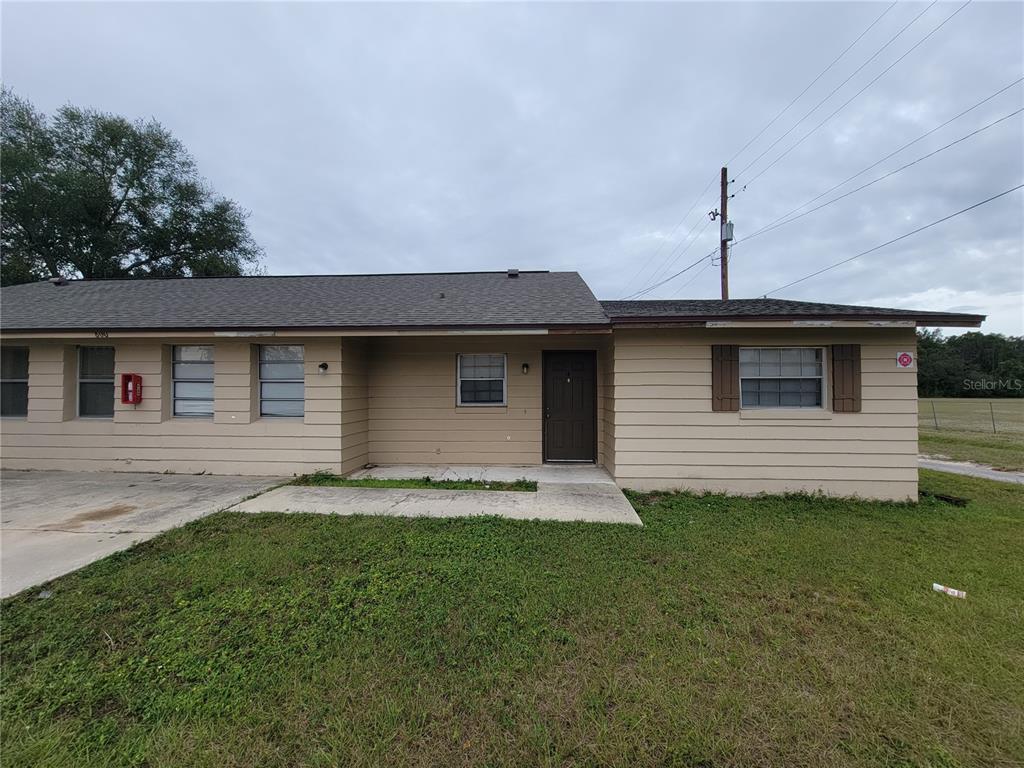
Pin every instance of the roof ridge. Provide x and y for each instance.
(281, 277)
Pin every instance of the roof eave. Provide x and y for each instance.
(921, 321)
(346, 329)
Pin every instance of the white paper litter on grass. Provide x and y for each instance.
(950, 591)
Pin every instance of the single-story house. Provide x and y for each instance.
(282, 375)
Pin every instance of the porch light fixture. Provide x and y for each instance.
(526, 368)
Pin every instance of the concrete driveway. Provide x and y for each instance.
(970, 469)
(52, 523)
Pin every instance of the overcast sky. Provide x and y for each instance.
(405, 138)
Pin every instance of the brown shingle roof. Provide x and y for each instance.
(431, 300)
(703, 310)
(436, 300)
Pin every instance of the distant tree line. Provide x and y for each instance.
(970, 365)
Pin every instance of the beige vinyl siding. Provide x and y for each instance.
(387, 400)
(50, 371)
(146, 438)
(355, 424)
(667, 437)
(606, 405)
(235, 381)
(392, 400)
(413, 416)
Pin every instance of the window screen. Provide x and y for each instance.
(193, 381)
(781, 377)
(14, 381)
(481, 380)
(96, 382)
(282, 381)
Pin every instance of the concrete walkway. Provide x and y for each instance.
(973, 470)
(569, 493)
(545, 473)
(53, 523)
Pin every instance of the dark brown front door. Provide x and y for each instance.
(570, 405)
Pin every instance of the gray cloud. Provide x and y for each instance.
(376, 138)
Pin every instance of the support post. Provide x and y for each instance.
(723, 255)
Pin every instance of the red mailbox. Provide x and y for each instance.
(131, 388)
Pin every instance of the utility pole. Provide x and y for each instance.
(726, 235)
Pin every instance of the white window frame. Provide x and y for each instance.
(823, 378)
(459, 379)
(79, 380)
(261, 381)
(175, 380)
(19, 381)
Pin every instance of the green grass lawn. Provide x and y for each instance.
(417, 482)
(789, 631)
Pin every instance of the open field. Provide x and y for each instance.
(794, 631)
(965, 432)
(972, 414)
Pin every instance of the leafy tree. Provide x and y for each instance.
(90, 194)
(945, 364)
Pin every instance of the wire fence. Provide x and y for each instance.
(968, 414)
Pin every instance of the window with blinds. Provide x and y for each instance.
(482, 380)
(781, 377)
(193, 381)
(282, 381)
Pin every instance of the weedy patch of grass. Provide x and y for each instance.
(796, 631)
(327, 479)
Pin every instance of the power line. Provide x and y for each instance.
(650, 288)
(700, 271)
(671, 260)
(700, 196)
(703, 192)
(777, 159)
(669, 264)
(882, 160)
(858, 93)
(811, 84)
(675, 229)
(894, 240)
(831, 93)
(779, 223)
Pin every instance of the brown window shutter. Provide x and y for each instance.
(846, 378)
(725, 377)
